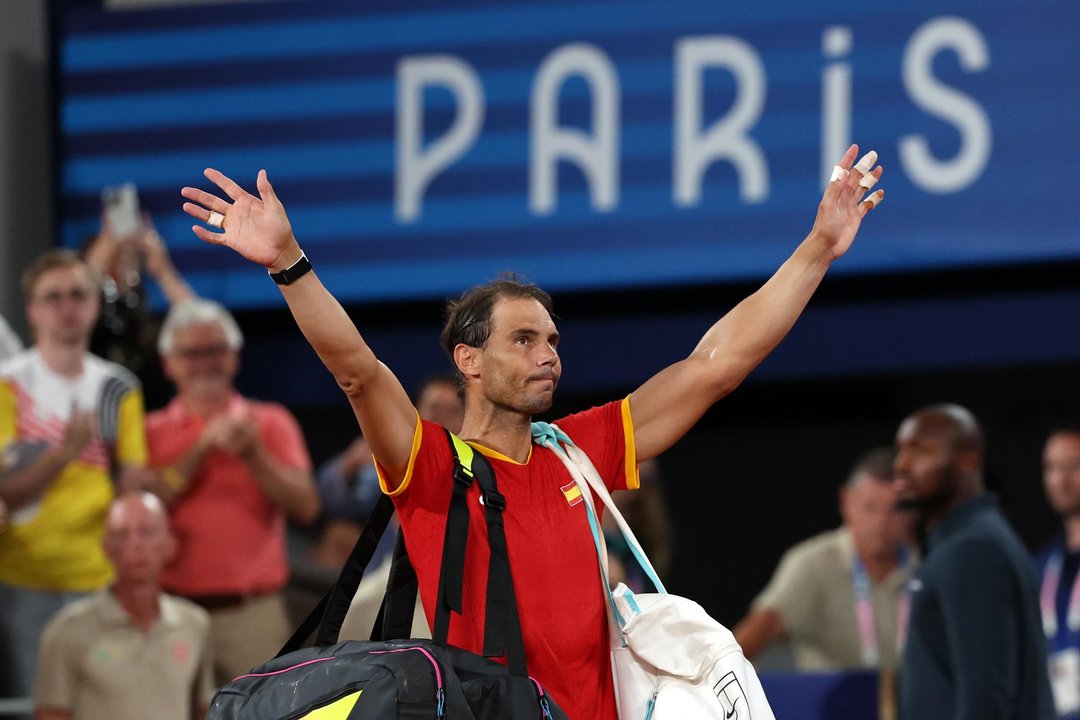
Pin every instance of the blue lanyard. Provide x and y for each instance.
(1051, 585)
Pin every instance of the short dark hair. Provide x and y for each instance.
(52, 260)
(468, 318)
(877, 463)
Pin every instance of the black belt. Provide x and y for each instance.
(222, 602)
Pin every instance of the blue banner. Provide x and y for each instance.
(589, 145)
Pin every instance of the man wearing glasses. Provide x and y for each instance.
(71, 432)
(232, 470)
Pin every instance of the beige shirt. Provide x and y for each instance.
(95, 663)
(813, 591)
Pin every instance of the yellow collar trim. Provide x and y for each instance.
(488, 452)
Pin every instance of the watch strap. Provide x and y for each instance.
(292, 273)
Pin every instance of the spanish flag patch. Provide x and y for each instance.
(572, 493)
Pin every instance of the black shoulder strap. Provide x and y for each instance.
(502, 625)
(455, 540)
(395, 617)
(325, 618)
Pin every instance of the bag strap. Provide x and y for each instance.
(502, 624)
(585, 475)
(395, 616)
(502, 631)
(455, 541)
(326, 617)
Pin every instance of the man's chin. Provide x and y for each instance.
(539, 404)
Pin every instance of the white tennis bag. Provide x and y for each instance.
(670, 660)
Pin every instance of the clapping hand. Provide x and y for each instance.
(80, 430)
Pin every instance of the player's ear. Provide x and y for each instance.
(469, 360)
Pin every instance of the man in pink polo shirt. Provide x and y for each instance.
(232, 469)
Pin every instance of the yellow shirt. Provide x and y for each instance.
(54, 543)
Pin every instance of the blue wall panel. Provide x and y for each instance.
(309, 90)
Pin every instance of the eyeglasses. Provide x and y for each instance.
(54, 298)
(201, 352)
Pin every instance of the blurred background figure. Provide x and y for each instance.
(1058, 563)
(127, 331)
(131, 651)
(839, 597)
(10, 344)
(975, 644)
(645, 511)
(231, 470)
(71, 430)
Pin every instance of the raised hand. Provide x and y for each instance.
(843, 205)
(255, 227)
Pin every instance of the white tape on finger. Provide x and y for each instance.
(838, 173)
(866, 162)
(216, 219)
(874, 199)
(868, 181)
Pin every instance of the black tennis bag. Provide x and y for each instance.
(386, 678)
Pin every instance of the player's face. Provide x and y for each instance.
(1061, 472)
(521, 366)
(201, 362)
(63, 306)
(925, 469)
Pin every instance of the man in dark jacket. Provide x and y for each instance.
(975, 647)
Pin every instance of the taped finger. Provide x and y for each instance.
(873, 199)
(866, 162)
(838, 173)
(868, 181)
(216, 219)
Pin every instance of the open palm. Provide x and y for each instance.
(255, 227)
(843, 206)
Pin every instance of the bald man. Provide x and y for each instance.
(130, 651)
(975, 648)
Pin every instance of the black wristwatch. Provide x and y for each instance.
(292, 273)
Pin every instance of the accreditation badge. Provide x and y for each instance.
(1065, 680)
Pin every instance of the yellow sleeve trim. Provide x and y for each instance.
(418, 435)
(8, 413)
(633, 481)
(131, 440)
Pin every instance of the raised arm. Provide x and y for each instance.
(669, 403)
(258, 228)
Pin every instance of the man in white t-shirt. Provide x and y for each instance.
(71, 430)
